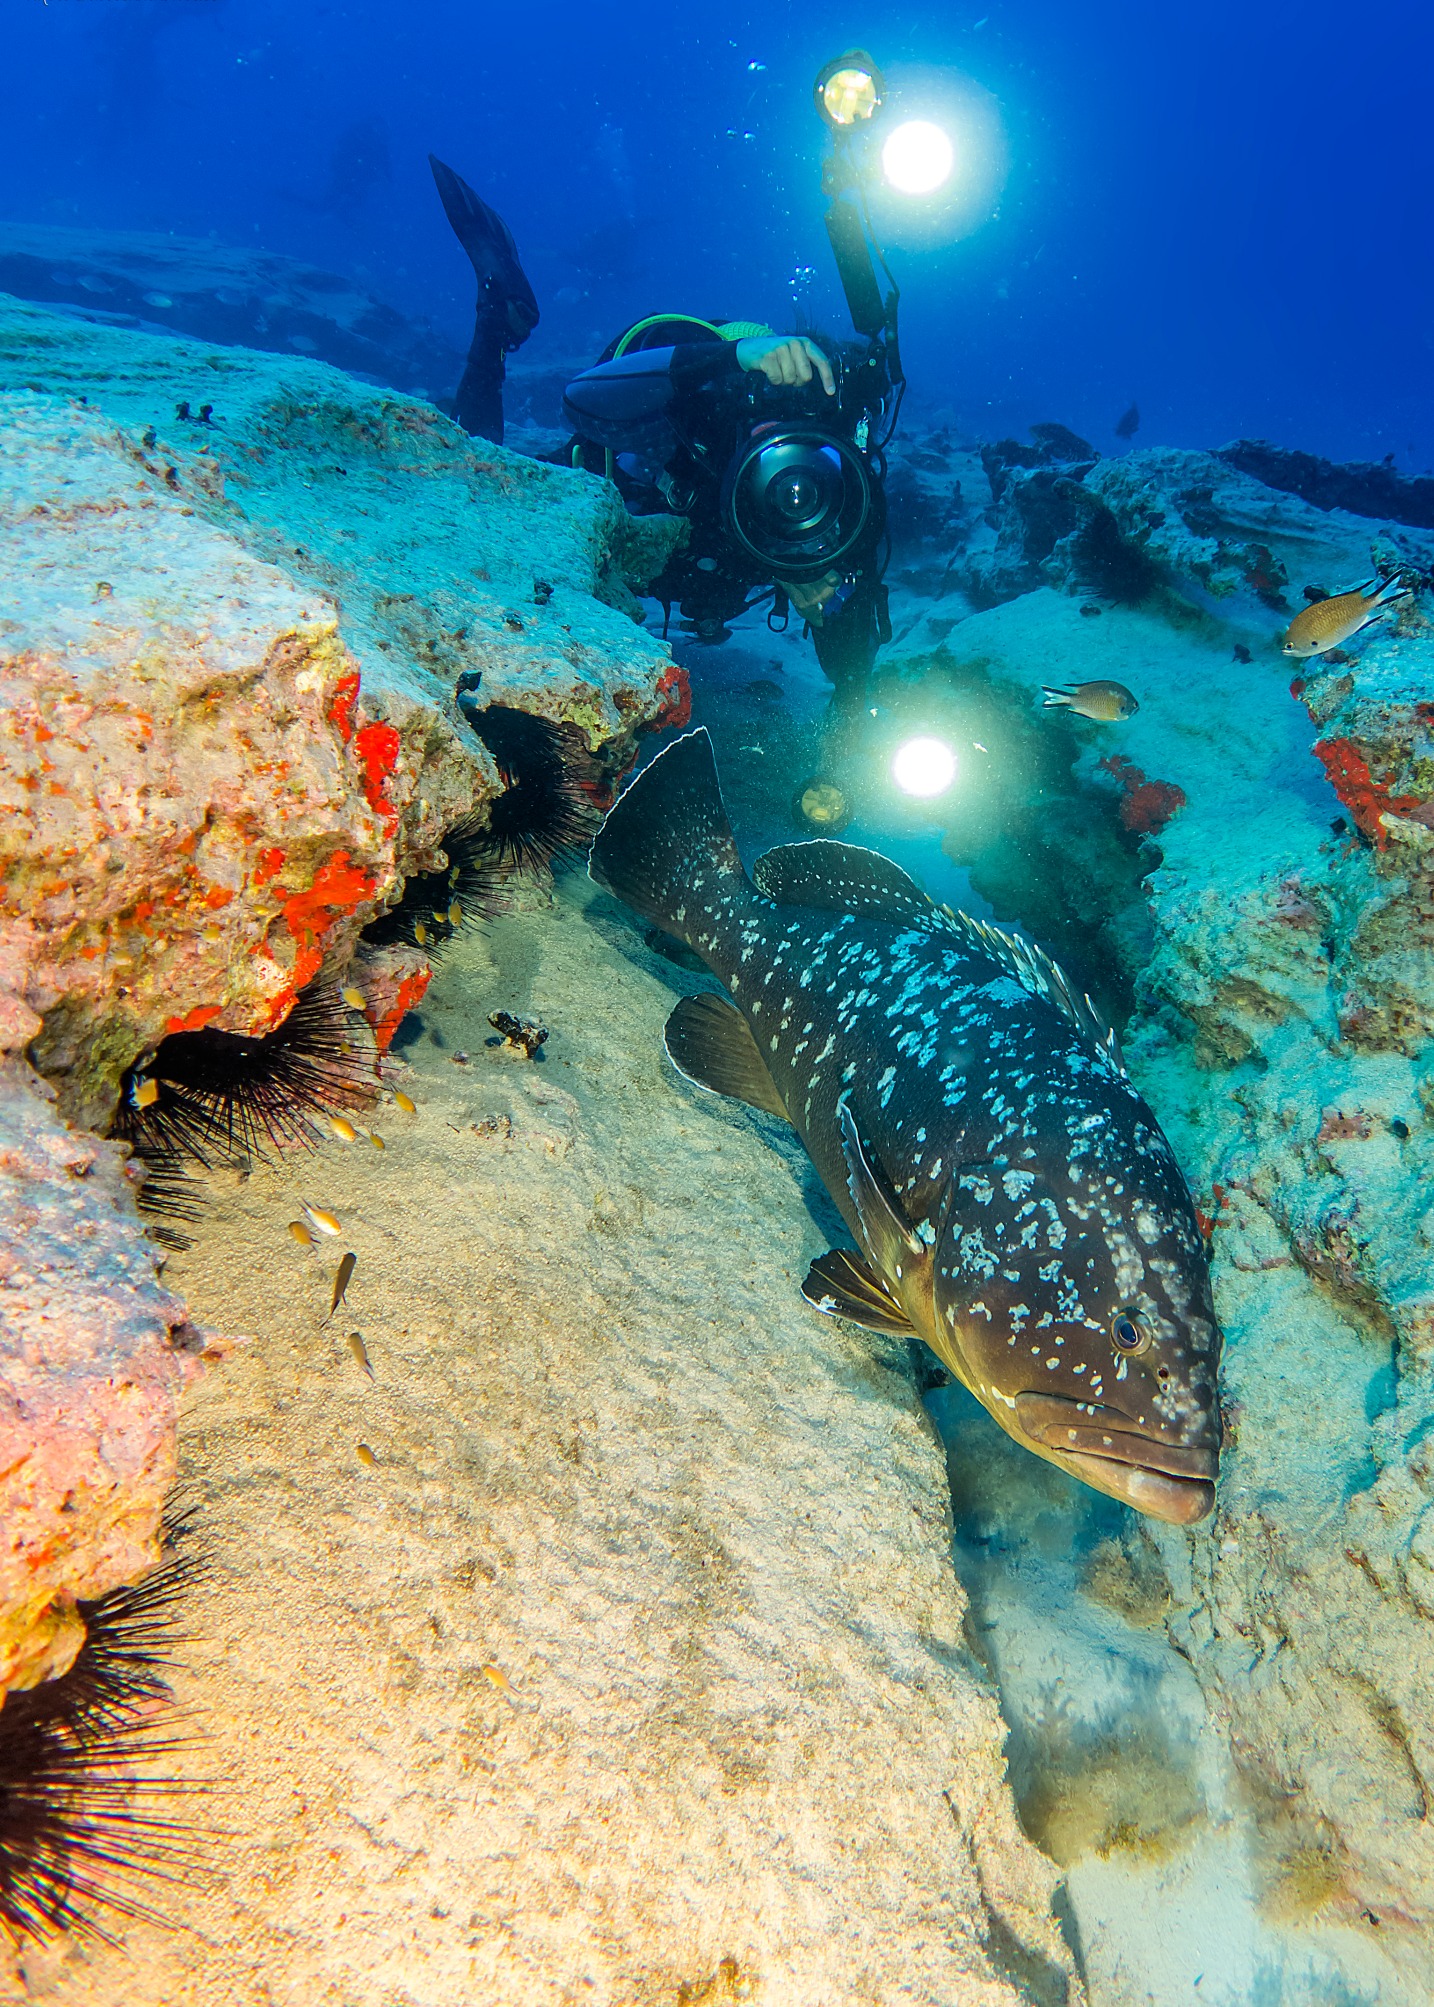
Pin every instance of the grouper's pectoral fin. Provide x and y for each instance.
(841, 1285)
(710, 1042)
(891, 1246)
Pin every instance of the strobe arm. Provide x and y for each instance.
(846, 231)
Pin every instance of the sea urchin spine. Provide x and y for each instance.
(543, 814)
(221, 1097)
(82, 1836)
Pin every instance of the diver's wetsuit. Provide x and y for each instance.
(671, 418)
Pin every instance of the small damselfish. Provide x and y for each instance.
(1013, 1200)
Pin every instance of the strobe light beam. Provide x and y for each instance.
(917, 157)
(924, 768)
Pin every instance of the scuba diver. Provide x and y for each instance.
(769, 445)
(764, 443)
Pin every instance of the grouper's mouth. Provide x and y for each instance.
(1107, 1449)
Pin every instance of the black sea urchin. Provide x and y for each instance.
(165, 1194)
(83, 1830)
(545, 810)
(436, 904)
(218, 1097)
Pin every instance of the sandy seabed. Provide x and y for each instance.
(626, 1657)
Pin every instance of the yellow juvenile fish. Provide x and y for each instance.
(301, 1233)
(376, 1140)
(455, 914)
(1107, 703)
(353, 998)
(360, 1351)
(144, 1093)
(403, 1101)
(343, 1128)
(366, 1455)
(1329, 623)
(325, 1222)
(342, 1281)
(420, 933)
(496, 1677)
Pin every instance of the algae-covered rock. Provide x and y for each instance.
(229, 646)
(228, 659)
(1172, 520)
(217, 292)
(1360, 486)
(94, 1354)
(1294, 937)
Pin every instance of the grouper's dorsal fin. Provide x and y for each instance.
(1037, 972)
(841, 1285)
(710, 1042)
(841, 878)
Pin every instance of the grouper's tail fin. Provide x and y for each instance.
(667, 848)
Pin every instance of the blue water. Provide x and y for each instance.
(1221, 212)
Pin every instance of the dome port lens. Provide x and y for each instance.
(800, 497)
(799, 502)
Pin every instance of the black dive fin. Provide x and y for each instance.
(841, 1285)
(843, 878)
(491, 251)
(710, 1042)
(891, 1246)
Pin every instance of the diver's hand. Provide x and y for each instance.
(786, 359)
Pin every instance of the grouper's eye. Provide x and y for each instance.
(1128, 1333)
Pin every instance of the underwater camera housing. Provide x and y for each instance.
(802, 495)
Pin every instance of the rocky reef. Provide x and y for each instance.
(1278, 988)
(224, 293)
(94, 1356)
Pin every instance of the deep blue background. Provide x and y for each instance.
(1223, 211)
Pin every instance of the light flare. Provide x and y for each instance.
(924, 768)
(918, 157)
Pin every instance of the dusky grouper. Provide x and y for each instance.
(1013, 1199)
